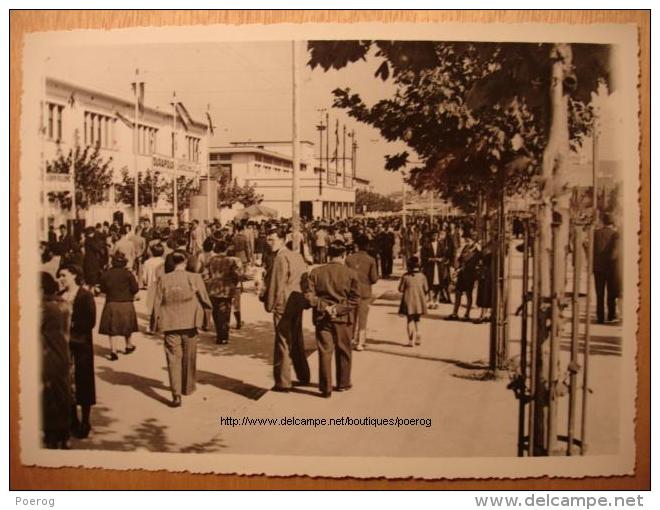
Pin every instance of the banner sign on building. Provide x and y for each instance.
(168, 165)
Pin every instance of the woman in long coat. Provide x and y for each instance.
(83, 320)
(55, 366)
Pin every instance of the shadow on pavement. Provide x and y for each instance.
(476, 365)
(390, 295)
(384, 304)
(101, 351)
(212, 445)
(303, 390)
(148, 435)
(254, 340)
(230, 384)
(403, 343)
(144, 385)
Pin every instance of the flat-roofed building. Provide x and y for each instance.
(268, 166)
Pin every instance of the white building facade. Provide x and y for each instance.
(268, 166)
(168, 142)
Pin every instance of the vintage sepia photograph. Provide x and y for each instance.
(329, 250)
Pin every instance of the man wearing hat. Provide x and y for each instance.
(435, 255)
(332, 290)
(385, 242)
(367, 271)
(466, 275)
(606, 253)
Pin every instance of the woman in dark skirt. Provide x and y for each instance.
(118, 317)
(83, 320)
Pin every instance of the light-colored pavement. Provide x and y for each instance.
(441, 380)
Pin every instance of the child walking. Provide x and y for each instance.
(414, 287)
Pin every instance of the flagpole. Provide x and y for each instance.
(336, 149)
(136, 205)
(354, 156)
(73, 181)
(175, 198)
(209, 131)
(295, 205)
(42, 132)
(327, 148)
(343, 158)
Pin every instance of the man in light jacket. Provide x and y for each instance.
(367, 271)
(179, 302)
(283, 297)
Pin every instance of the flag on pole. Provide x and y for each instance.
(139, 94)
(210, 122)
(336, 153)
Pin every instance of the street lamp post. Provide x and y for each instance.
(295, 197)
(320, 128)
(138, 89)
(403, 198)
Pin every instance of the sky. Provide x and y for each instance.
(248, 86)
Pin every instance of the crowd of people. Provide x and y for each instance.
(193, 277)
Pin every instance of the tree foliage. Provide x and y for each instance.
(230, 193)
(63, 198)
(186, 187)
(93, 176)
(375, 202)
(475, 114)
(150, 186)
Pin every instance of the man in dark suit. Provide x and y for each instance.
(367, 271)
(191, 264)
(52, 240)
(64, 242)
(466, 275)
(332, 290)
(436, 254)
(606, 253)
(283, 297)
(385, 241)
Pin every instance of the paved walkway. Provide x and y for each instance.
(441, 380)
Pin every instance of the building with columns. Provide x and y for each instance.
(169, 141)
(268, 165)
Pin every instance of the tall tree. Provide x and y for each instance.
(151, 185)
(230, 193)
(490, 118)
(93, 176)
(375, 202)
(186, 188)
(475, 114)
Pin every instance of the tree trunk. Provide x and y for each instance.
(553, 241)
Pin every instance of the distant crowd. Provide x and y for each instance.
(193, 276)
